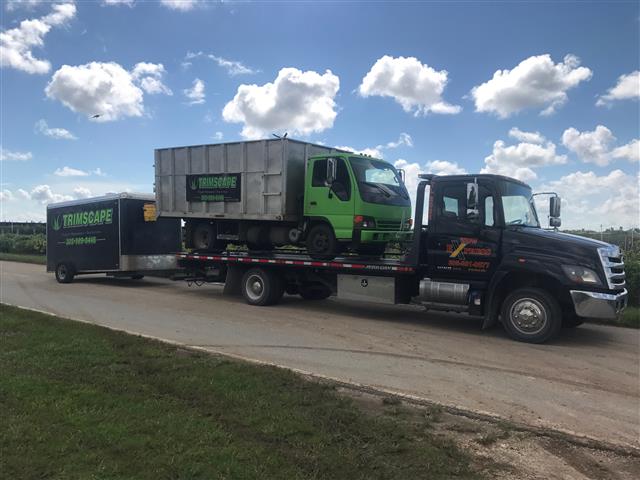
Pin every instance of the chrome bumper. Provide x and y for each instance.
(599, 305)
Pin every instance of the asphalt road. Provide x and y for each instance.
(586, 382)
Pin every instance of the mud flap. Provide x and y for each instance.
(232, 285)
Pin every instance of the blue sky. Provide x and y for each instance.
(413, 82)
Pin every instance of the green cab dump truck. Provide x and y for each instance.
(278, 192)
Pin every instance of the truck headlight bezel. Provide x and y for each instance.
(582, 275)
(363, 222)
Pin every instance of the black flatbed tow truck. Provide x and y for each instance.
(482, 252)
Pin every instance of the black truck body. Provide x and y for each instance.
(481, 251)
(116, 234)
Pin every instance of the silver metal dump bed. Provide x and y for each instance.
(262, 179)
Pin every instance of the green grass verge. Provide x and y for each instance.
(81, 401)
(630, 317)
(22, 257)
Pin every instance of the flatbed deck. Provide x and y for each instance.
(370, 265)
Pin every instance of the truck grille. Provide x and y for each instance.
(388, 224)
(613, 266)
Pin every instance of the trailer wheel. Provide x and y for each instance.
(314, 291)
(322, 243)
(531, 315)
(64, 273)
(262, 287)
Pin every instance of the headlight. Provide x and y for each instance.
(581, 275)
(360, 221)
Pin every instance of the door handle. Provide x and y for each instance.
(313, 203)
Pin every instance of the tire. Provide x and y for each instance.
(261, 287)
(314, 291)
(531, 315)
(204, 238)
(322, 243)
(64, 273)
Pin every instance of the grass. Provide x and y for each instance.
(81, 401)
(630, 317)
(23, 257)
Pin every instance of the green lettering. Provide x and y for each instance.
(108, 218)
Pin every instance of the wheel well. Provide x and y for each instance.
(314, 221)
(516, 280)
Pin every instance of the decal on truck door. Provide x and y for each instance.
(459, 249)
(223, 187)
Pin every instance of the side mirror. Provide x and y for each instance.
(554, 208)
(332, 166)
(402, 174)
(555, 222)
(472, 202)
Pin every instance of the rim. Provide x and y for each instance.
(320, 242)
(62, 271)
(528, 316)
(254, 287)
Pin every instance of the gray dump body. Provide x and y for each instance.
(270, 174)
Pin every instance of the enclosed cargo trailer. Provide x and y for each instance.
(116, 234)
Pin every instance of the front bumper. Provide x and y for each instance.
(606, 306)
(384, 236)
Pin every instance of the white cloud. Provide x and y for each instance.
(374, 152)
(529, 137)
(404, 139)
(27, 4)
(233, 67)
(149, 76)
(81, 192)
(70, 172)
(630, 151)
(589, 200)
(9, 156)
(417, 87)
(55, 133)
(106, 89)
(518, 161)
(590, 147)
(534, 83)
(296, 102)
(442, 167)
(23, 194)
(218, 136)
(98, 172)
(128, 3)
(182, 5)
(627, 88)
(44, 195)
(6, 196)
(195, 94)
(16, 44)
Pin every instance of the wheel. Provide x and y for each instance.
(261, 287)
(137, 277)
(64, 273)
(531, 315)
(322, 243)
(373, 249)
(204, 238)
(314, 291)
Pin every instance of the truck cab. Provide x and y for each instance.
(354, 201)
(484, 248)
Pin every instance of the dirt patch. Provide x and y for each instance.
(502, 451)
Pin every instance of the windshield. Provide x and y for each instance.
(379, 182)
(518, 206)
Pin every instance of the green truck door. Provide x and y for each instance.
(336, 205)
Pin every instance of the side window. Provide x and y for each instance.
(319, 173)
(450, 207)
(452, 202)
(342, 185)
